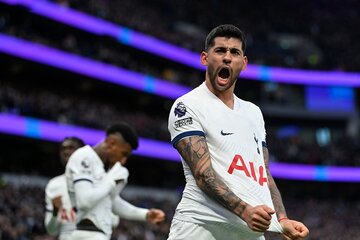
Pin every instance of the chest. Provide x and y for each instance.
(232, 127)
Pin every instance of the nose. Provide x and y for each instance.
(227, 57)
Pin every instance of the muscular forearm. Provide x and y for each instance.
(275, 193)
(217, 190)
(276, 198)
(195, 152)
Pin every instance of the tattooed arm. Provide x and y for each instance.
(275, 193)
(195, 152)
(291, 229)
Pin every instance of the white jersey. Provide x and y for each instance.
(234, 138)
(64, 223)
(85, 165)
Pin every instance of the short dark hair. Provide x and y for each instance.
(226, 30)
(77, 140)
(127, 132)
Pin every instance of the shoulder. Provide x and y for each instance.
(83, 151)
(191, 100)
(188, 97)
(55, 184)
(80, 154)
(250, 106)
(83, 159)
(56, 180)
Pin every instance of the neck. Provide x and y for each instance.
(228, 101)
(99, 151)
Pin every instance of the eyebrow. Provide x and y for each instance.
(228, 48)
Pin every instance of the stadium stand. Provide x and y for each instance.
(316, 35)
(21, 211)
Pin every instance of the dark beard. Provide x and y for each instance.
(213, 74)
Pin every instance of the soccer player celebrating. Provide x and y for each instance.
(95, 176)
(229, 193)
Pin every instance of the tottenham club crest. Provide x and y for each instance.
(180, 110)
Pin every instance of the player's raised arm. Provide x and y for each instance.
(195, 152)
(88, 194)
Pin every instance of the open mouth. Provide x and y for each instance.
(224, 73)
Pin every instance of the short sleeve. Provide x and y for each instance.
(49, 194)
(81, 168)
(184, 121)
(55, 187)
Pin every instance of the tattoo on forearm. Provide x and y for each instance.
(275, 193)
(195, 152)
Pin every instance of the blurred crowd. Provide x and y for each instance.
(74, 109)
(344, 151)
(102, 49)
(311, 34)
(22, 216)
(316, 36)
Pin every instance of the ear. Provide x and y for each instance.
(109, 141)
(245, 62)
(204, 58)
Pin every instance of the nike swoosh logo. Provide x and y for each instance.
(226, 133)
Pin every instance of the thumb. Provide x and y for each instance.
(291, 232)
(269, 210)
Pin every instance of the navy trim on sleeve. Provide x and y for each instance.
(264, 144)
(186, 134)
(82, 179)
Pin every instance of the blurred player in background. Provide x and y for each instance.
(59, 215)
(95, 177)
(229, 193)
